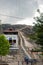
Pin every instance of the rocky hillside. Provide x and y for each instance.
(15, 27)
(26, 29)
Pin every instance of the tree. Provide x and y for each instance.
(4, 46)
(38, 28)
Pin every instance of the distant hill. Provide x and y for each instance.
(26, 29)
(15, 27)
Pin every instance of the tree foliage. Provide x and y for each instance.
(4, 45)
(38, 29)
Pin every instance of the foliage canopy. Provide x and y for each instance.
(38, 30)
(4, 45)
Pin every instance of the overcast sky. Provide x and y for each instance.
(22, 10)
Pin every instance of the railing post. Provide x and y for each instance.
(18, 62)
(21, 62)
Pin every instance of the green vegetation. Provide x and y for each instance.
(37, 50)
(38, 30)
(4, 46)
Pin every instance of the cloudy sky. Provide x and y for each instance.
(19, 11)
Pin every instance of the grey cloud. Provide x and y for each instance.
(19, 8)
(40, 2)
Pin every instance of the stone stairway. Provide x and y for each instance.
(17, 57)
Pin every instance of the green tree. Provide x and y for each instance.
(4, 46)
(38, 28)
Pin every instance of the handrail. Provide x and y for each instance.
(24, 48)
